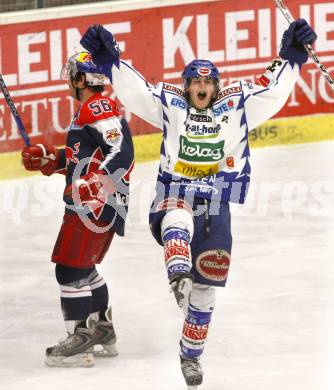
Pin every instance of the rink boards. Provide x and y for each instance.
(34, 45)
(285, 131)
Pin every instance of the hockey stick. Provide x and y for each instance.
(287, 14)
(13, 110)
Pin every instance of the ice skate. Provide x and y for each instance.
(192, 372)
(75, 351)
(104, 336)
(181, 286)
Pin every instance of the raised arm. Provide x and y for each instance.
(133, 91)
(271, 91)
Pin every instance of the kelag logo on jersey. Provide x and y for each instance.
(201, 152)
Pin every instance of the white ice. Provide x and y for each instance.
(273, 324)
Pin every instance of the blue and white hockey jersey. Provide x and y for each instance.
(205, 152)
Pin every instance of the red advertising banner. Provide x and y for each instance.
(240, 37)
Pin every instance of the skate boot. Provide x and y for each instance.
(103, 332)
(192, 372)
(181, 285)
(75, 351)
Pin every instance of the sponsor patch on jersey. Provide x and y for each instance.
(179, 103)
(224, 107)
(196, 170)
(112, 136)
(200, 118)
(204, 71)
(228, 91)
(214, 264)
(172, 88)
(230, 162)
(266, 80)
(202, 131)
(200, 151)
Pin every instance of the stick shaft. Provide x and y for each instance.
(288, 16)
(13, 110)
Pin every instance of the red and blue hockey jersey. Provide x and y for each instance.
(99, 139)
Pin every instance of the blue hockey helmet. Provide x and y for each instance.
(82, 62)
(200, 68)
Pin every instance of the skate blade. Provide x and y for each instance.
(78, 360)
(192, 387)
(105, 350)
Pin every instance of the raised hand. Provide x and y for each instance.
(298, 34)
(101, 44)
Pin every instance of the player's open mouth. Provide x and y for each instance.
(201, 95)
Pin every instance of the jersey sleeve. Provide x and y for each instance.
(61, 167)
(137, 95)
(269, 93)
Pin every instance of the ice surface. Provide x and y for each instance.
(273, 324)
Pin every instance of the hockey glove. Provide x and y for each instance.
(298, 34)
(103, 47)
(91, 189)
(181, 286)
(41, 157)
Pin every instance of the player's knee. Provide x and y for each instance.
(178, 218)
(68, 275)
(203, 297)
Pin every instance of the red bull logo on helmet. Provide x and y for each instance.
(84, 57)
(204, 72)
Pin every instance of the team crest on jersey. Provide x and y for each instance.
(204, 71)
(112, 136)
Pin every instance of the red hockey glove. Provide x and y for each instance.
(91, 189)
(41, 157)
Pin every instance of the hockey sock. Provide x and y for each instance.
(195, 331)
(177, 251)
(100, 295)
(75, 292)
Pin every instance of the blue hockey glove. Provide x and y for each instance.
(298, 34)
(103, 47)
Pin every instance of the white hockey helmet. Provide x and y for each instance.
(82, 62)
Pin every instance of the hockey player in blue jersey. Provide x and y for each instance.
(96, 162)
(204, 165)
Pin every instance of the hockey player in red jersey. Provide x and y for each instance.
(204, 165)
(96, 161)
